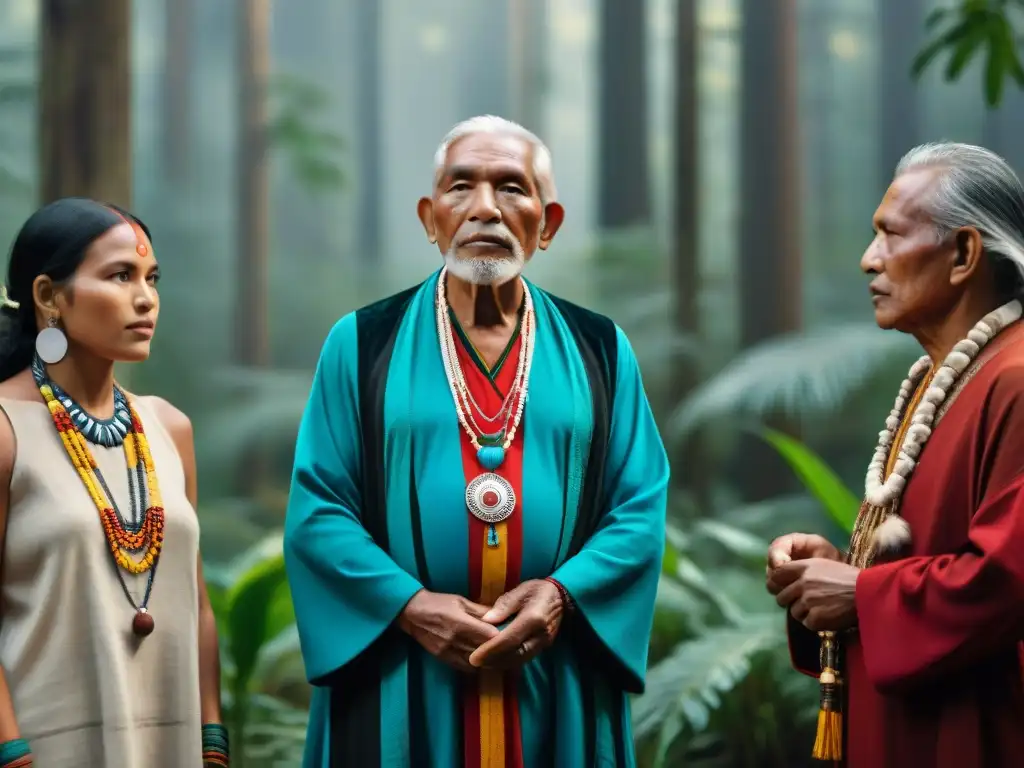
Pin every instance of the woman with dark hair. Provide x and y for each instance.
(102, 662)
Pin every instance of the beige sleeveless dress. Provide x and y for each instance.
(87, 693)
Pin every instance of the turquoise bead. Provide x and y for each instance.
(490, 456)
(492, 536)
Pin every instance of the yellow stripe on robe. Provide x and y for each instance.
(492, 694)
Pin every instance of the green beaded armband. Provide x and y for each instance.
(215, 746)
(15, 754)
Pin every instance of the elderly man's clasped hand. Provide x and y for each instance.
(466, 635)
(807, 575)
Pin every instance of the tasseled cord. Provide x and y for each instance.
(828, 743)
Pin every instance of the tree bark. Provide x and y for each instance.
(770, 280)
(770, 238)
(85, 140)
(624, 198)
(686, 219)
(252, 337)
(690, 457)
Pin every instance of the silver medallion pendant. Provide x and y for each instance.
(490, 498)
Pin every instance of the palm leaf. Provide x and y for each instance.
(799, 374)
(819, 479)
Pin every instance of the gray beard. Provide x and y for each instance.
(484, 271)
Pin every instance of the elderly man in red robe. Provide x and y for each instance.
(915, 632)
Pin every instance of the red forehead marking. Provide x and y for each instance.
(141, 248)
(140, 235)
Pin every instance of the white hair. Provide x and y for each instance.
(543, 172)
(977, 188)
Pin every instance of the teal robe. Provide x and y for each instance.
(377, 512)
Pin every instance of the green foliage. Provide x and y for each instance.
(838, 501)
(258, 609)
(686, 687)
(311, 151)
(966, 30)
(801, 374)
(256, 623)
(718, 649)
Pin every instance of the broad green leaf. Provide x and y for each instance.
(995, 66)
(819, 479)
(218, 595)
(934, 17)
(670, 560)
(965, 49)
(249, 608)
(1012, 59)
(281, 612)
(935, 47)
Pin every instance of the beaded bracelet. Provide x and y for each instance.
(215, 746)
(567, 601)
(15, 754)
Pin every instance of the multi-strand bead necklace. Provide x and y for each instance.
(135, 542)
(489, 497)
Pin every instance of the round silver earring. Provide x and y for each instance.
(51, 343)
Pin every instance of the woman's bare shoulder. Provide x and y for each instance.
(172, 418)
(20, 387)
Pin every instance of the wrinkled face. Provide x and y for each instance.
(110, 305)
(912, 266)
(486, 213)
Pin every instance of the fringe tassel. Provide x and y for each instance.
(828, 742)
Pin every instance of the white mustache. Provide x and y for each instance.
(499, 232)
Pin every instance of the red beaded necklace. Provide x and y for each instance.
(125, 545)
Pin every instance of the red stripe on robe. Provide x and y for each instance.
(500, 705)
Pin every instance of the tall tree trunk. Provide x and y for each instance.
(85, 139)
(623, 190)
(177, 98)
(527, 62)
(820, 20)
(252, 338)
(686, 234)
(770, 275)
(901, 27)
(369, 197)
(770, 238)
(686, 219)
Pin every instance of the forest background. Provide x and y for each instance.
(719, 161)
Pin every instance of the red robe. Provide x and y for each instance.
(934, 672)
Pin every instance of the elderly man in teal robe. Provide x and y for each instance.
(476, 522)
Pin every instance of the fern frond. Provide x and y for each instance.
(688, 685)
(804, 373)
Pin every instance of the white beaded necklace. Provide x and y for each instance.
(885, 492)
(490, 456)
(489, 497)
